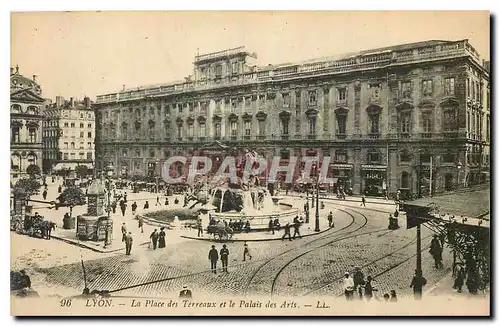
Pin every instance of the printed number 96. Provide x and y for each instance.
(65, 302)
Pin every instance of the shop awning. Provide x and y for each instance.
(341, 166)
(473, 202)
(370, 167)
(71, 166)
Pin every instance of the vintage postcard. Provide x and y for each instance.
(250, 163)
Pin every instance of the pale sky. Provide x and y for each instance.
(90, 53)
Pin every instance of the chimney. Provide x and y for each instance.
(123, 87)
(71, 101)
(34, 78)
(59, 101)
(17, 69)
(86, 101)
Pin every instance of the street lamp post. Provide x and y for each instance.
(108, 175)
(316, 221)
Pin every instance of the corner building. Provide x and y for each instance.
(384, 116)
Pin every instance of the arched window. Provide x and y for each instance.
(16, 108)
(32, 159)
(15, 162)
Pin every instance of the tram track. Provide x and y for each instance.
(339, 278)
(343, 236)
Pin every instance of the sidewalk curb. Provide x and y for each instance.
(438, 283)
(385, 202)
(93, 248)
(255, 240)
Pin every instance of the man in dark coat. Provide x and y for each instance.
(124, 232)
(154, 238)
(224, 255)
(213, 256)
(185, 293)
(128, 243)
(436, 251)
(271, 225)
(417, 283)
(134, 208)
(287, 232)
(44, 194)
(296, 227)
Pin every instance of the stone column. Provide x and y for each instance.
(356, 186)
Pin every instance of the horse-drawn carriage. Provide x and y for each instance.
(33, 225)
(220, 231)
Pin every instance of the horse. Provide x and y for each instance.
(223, 232)
(47, 227)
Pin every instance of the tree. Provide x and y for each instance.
(71, 197)
(33, 170)
(26, 187)
(81, 171)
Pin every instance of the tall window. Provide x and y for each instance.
(406, 89)
(234, 68)
(89, 125)
(262, 127)
(234, 128)
(449, 119)
(32, 134)
(218, 71)
(89, 145)
(66, 124)
(286, 100)
(427, 87)
(427, 122)
(468, 87)
(374, 123)
(373, 157)
(89, 156)
(313, 99)
(488, 128)
(405, 180)
(312, 126)
(248, 128)
(284, 125)
(341, 156)
(449, 86)
(202, 131)
(72, 145)
(405, 122)
(15, 135)
(179, 131)
(72, 125)
(217, 129)
(191, 130)
(342, 92)
(341, 124)
(66, 145)
(82, 134)
(405, 156)
(82, 125)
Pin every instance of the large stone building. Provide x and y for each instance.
(68, 135)
(385, 116)
(26, 107)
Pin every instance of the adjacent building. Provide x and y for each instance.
(26, 107)
(401, 117)
(68, 135)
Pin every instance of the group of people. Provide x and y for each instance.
(355, 283)
(158, 238)
(297, 222)
(223, 255)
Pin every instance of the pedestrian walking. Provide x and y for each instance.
(359, 280)
(417, 283)
(113, 207)
(271, 225)
(330, 220)
(460, 278)
(124, 232)
(123, 207)
(287, 232)
(141, 223)
(154, 238)
(436, 250)
(134, 208)
(246, 251)
(363, 201)
(59, 189)
(224, 255)
(146, 205)
(161, 238)
(213, 256)
(348, 286)
(296, 227)
(185, 293)
(44, 194)
(128, 243)
(125, 197)
(199, 227)
(369, 288)
(166, 201)
(158, 201)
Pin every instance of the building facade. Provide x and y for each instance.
(401, 117)
(68, 135)
(26, 107)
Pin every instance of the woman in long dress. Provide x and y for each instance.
(161, 238)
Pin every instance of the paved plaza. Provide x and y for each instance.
(311, 265)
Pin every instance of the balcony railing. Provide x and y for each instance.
(247, 137)
(261, 137)
(311, 136)
(341, 135)
(374, 135)
(404, 135)
(285, 137)
(426, 134)
(451, 134)
(341, 103)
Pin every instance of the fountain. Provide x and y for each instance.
(253, 204)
